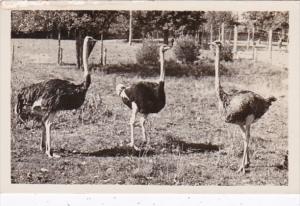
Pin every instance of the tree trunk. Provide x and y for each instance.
(253, 34)
(223, 33)
(166, 36)
(211, 33)
(130, 28)
(201, 31)
(59, 48)
(79, 45)
(270, 43)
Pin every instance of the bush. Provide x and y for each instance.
(148, 53)
(226, 53)
(185, 49)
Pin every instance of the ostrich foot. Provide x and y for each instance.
(131, 144)
(42, 148)
(242, 169)
(50, 156)
(148, 146)
(56, 155)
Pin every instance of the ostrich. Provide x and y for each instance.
(46, 98)
(239, 107)
(144, 97)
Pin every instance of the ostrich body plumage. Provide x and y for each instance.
(149, 97)
(54, 95)
(46, 98)
(240, 107)
(237, 105)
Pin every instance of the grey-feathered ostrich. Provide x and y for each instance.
(48, 97)
(145, 97)
(239, 107)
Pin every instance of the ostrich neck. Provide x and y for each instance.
(162, 68)
(217, 75)
(85, 58)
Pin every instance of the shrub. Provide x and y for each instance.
(148, 53)
(226, 53)
(185, 49)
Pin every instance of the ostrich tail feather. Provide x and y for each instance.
(271, 99)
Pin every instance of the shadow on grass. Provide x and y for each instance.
(182, 146)
(172, 145)
(113, 152)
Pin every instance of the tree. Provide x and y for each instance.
(216, 18)
(168, 22)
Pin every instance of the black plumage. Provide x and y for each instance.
(145, 97)
(149, 97)
(240, 107)
(46, 98)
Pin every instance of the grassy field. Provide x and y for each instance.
(191, 145)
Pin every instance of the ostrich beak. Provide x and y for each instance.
(166, 48)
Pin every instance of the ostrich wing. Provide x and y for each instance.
(54, 94)
(242, 104)
(147, 96)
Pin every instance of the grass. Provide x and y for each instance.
(191, 145)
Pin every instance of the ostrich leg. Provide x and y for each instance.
(48, 123)
(43, 138)
(132, 120)
(242, 167)
(142, 121)
(246, 137)
(247, 159)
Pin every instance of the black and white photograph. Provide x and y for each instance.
(149, 97)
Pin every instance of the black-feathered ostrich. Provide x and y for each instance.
(145, 97)
(239, 107)
(48, 97)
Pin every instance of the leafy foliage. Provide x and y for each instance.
(267, 19)
(185, 49)
(148, 53)
(226, 53)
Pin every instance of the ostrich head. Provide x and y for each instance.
(119, 89)
(163, 48)
(89, 38)
(216, 44)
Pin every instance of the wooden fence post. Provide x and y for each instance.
(253, 35)
(13, 54)
(255, 53)
(59, 49)
(104, 56)
(253, 50)
(101, 55)
(235, 42)
(61, 56)
(270, 44)
(211, 36)
(130, 28)
(248, 39)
